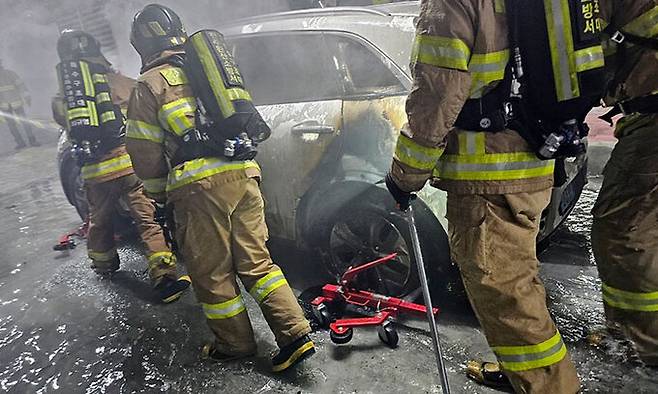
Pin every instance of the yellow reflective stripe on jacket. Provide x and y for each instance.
(499, 6)
(194, 170)
(472, 163)
(486, 68)
(493, 167)
(178, 115)
(103, 256)
(441, 52)
(7, 88)
(175, 76)
(645, 25)
(471, 143)
(589, 58)
(155, 185)
(561, 44)
(224, 310)
(267, 284)
(621, 299)
(139, 130)
(102, 97)
(106, 167)
(416, 156)
(108, 116)
(523, 358)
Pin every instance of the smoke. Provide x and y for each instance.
(30, 28)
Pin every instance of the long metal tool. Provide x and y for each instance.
(418, 253)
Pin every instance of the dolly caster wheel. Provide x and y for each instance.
(388, 334)
(322, 315)
(341, 339)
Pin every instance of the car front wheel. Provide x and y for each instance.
(370, 230)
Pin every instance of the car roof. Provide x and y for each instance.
(389, 27)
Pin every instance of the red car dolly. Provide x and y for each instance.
(379, 310)
(67, 241)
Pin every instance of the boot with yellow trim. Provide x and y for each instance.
(170, 289)
(293, 354)
(488, 374)
(601, 335)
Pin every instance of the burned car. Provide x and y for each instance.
(332, 84)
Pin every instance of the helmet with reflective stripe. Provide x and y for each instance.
(156, 28)
(76, 44)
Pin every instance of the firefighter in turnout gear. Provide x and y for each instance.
(625, 230)
(13, 99)
(107, 173)
(497, 189)
(217, 203)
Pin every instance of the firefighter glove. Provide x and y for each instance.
(402, 198)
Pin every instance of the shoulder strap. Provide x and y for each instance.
(622, 37)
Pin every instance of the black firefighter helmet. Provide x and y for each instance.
(156, 28)
(76, 45)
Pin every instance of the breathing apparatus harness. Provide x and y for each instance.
(645, 104)
(95, 124)
(227, 124)
(553, 128)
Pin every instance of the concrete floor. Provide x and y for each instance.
(63, 329)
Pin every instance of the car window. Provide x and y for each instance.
(363, 70)
(287, 68)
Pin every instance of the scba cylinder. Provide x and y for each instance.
(217, 82)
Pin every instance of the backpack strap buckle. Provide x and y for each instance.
(618, 37)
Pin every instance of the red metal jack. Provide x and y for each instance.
(380, 310)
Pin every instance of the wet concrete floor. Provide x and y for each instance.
(62, 329)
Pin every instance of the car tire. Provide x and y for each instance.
(370, 229)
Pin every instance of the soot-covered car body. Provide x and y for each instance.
(332, 85)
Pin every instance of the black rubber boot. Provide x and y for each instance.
(210, 352)
(105, 267)
(170, 290)
(293, 354)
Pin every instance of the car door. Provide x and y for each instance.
(292, 78)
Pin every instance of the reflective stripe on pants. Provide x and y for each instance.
(523, 358)
(492, 239)
(224, 310)
(221, 232)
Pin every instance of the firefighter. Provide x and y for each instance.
(109, 177)
(625, 230)
(217, 203)
(493, 206)
(13, 99)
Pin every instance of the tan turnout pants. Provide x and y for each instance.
(221, 230)
(493, 240)
(103, 199)
(625, 234)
